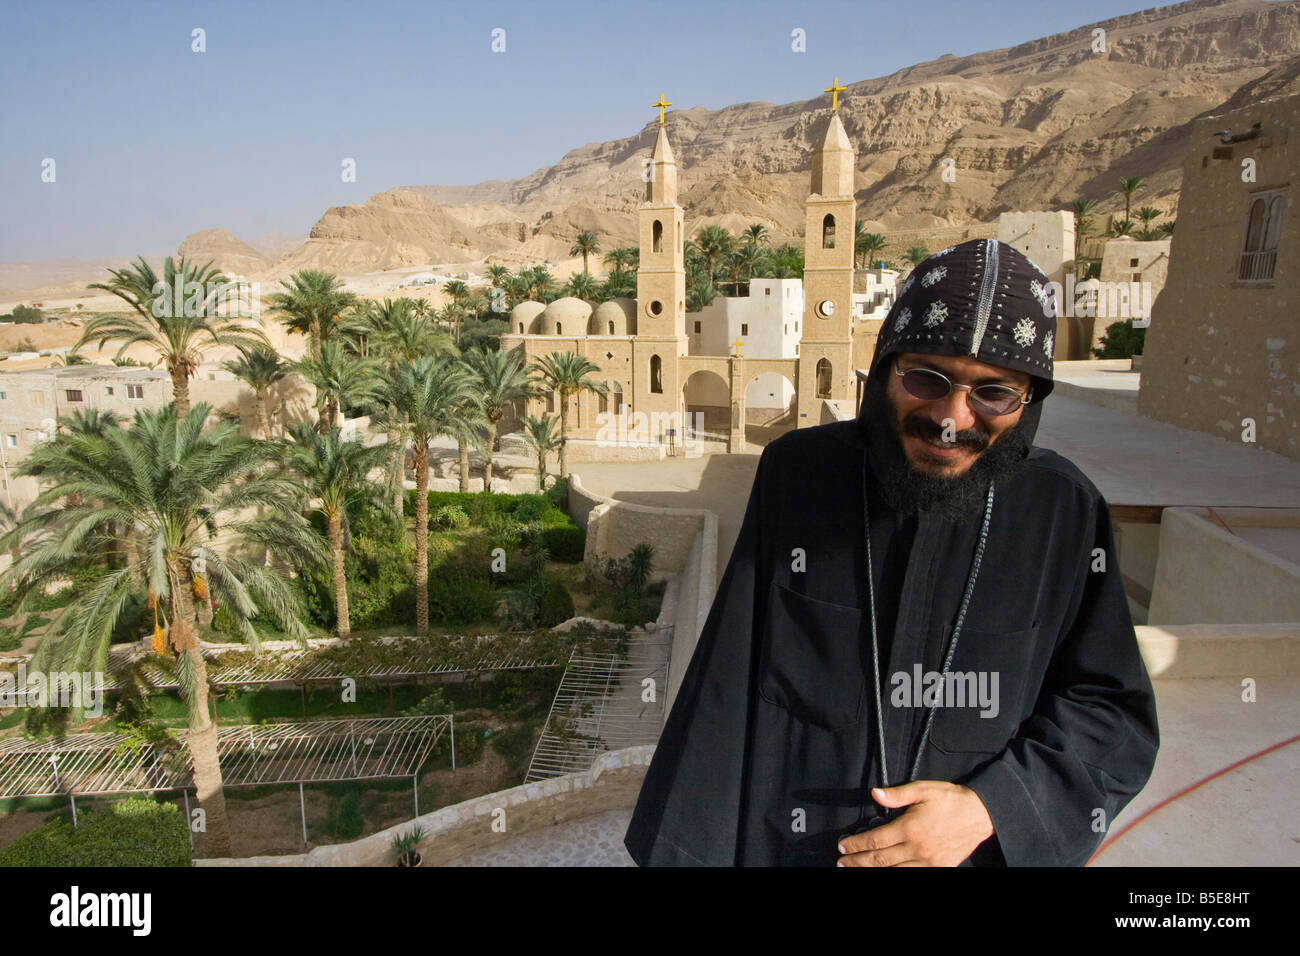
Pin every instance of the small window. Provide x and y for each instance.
(828, 232)
(657, 237)
(823, 378)
(1263, 229)
(109, 390)
(74, 394)
(767, 292)
(656, 374)
(785, 329)
(1137, 277)
(558, 331)
(796, 327)
(3, 395)
(611, 326)
(11, 441)
(697, 328)
(744, 328)
(135, 391)
(1132, 263)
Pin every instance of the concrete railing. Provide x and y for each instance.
(482, 823)
(1183, 651)
(1227, 566)
(686, 544)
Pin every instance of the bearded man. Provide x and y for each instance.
(920, 652)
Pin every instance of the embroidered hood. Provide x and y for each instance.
(981, 298)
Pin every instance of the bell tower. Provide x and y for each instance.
(661, 275)
(826, 344)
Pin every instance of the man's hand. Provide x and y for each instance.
(942, 826)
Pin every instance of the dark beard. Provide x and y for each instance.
(958, 498)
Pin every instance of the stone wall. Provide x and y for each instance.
(613, 781)
(685, 542)
(1221, 348)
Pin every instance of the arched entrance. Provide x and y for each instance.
(770, 407)
(706, 393)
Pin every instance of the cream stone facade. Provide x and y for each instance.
(33, 401)
(1223, 351)
(667, 374)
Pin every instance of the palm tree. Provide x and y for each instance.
(259, 368)
(179, 331)
(172, 483)
(540, 283)
(714, 244)
(566, 373)
(1120, 227)
(501, 380)
(311, 304)
(755, 234)
(404, 334)
(581, 285)
(334, 472)
(1167, 227)
(425, 394)
(1082, 209)
(621, 259)
(340, 379)
(916, 255)
(541, 437)
(586, 245)
(1147, 214)
(500, 276)
(456, 290)
(1129, 187)
(866, 245)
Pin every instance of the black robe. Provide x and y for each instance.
(770, 750)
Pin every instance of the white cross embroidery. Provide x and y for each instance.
(934, 275)
(900, 323)
(1024, 333)
(937, 313)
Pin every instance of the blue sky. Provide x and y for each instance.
(153, 141)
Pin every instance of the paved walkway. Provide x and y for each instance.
(596, 840)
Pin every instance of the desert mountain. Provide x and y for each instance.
(1027, 127)
(224, 251)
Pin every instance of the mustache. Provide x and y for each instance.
(921, 426)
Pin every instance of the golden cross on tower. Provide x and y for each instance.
(737, 344)
(661, 104)
(834, 90)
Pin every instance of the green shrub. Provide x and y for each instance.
(556, 605)
(567, 543)
(531, 507)
(132, 832)
(1121, 341)
(559, 493)
(224, 622)
(516, 745)
(459, 598)
(449, 516)
(502, 529)
(27, 315)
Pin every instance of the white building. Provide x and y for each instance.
(763, 324)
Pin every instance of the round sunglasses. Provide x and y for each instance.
(929, 385)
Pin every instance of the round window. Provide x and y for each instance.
(655, 307)
(825, 308)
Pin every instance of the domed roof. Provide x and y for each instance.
(568, 309)
(526, 311)
(622, 312)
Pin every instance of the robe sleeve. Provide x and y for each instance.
(1090, 744)
(690, 807)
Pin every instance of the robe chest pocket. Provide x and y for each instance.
(987, 676)
(810, 663)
